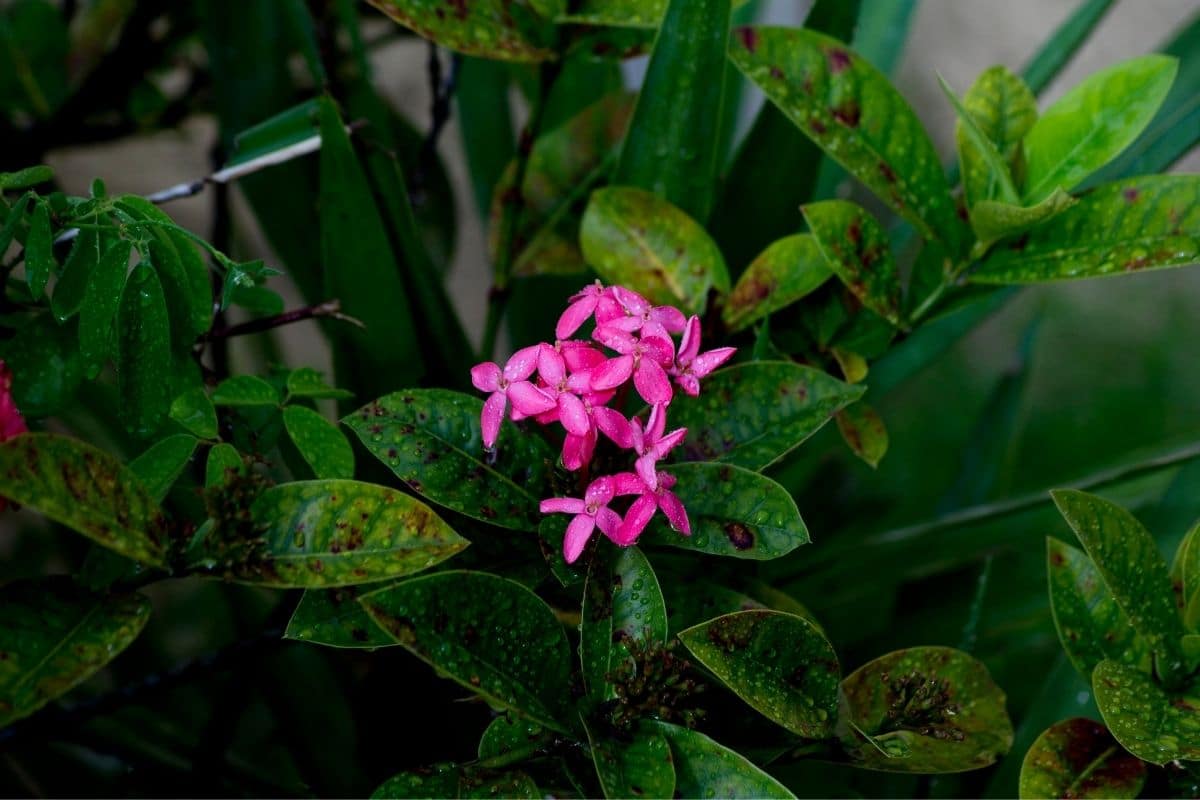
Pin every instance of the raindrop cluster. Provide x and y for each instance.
(572, 382)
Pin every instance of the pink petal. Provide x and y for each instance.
(624, 483)
(578, 533)
(670, 318)
(627, 324)
(578, 450)
(493, 415)
(608, 521)
(522, 363)
(657, 423)
(562, 505)
(631, 301)
(636, 519)
(612, 373)
(613, 424)
(608, 309)
(689, 346)
(652, 328)
(707, 362)
(576, 314)
(615, 339)
(666, 480)
(581, 356)
(676, 513)
(580, 382)
(598, 399)
(637, 439)
(668, 443)
(549, 418)
(599, 492)
(486, 376)
(573, 415)
(689, 384)
(551, 367)
(651, 383)
(645, 467)
(528, 399)
(659, 349)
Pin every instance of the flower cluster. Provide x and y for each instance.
(572, 382)
(11, 421)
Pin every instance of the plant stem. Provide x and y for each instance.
(330, 308)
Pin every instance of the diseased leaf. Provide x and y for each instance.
(98, 311)
(992, 220)
(1093, 122)
(143, 352)
(327, 533)
(753, 414)
(335, 618)
(1149, 723)
(488, 28)
(195, 413)
(989, 162)
(636, 239)
(786, 271)
(1079, 758)
(54, 635)
(704, 768)
(222, 458)
(856, 249)
(163, 462)
(623, 13)
(1091, 626)
(39, 251)
(1136, 224)
(1003, 109)
(245, 390)
(636, 765)
(85, 489)
(491, 635)
(454, 781)
(849, 108)
(864, 432)
(931, 709)
(431, 439)
(780, 664)
(320, 442)
(733, 512)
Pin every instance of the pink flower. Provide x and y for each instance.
(565, 390)
(691, 364)
(650, 445)
(629, 311)
(578, 450)
(11, 421)
(583, 305)
(650, 498)
(509, 385)
(642, 357)
(590, 512)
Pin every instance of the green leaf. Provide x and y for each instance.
(1002, 109)
(1185, 569)
(621, 13)
(1058, 50)
(754, 414)
(780, 664)
(55, 635)
(221, 459)
(326, 533)
(489, 634)
(101, 300)
(1093, 122)
(786, 271)
(454, 781)
(855, 247)
(307, 382)
(26, 178)
(997, 181)
(992, 220)
(1148, 722)
(85, 489)
(849, 108)
(622, 605)
(245, 390)
(320, 442)
(431, 439)
(488, 28)
(33, 57)
(638, 764)
(195, 413)
(39, 251)
(161, 465)
(638, 240)
(863, 430)
(510, 737)
(1080, 758)
(335, 618)
(734, 512)
(1090, 624)
(77, 269)
(45, 364)
(704, 768)
(1133, 570)
(932, 709)
(1136, 224)
(13, 218)
(671, 148)
(143, 352)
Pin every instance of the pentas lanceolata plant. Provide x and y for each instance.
(572, 382)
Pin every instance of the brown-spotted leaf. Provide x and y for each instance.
(335, 618)
(864, 432)
(496, 29)
(856, 248)
(1004, 109)
(1079, 758)
(785, 272)
(1148, 722)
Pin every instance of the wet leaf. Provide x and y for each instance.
(101, 299)
(1149, 723)
(692, 601)
(1004, 109)
(1136, 224)
(143, 352)
(637, 765)
(163, 462)
(509, 737)
(454, 781)
(622, 13)
(245, 390)
(990, 165)
(489, 28)
(1093, 122)
(45, 364)
(326, 533)
(76, 271)
(307, 382)
(55, 634)
(491, 635)
(221, 459)
(992, 220)
(195, 413)
(1133, 570)
(1079, 758)
(935, 708)
(636, 239)
(855, 247)
(734, 512)
(863, 430)
(320, 442)
(1091, 626)
(335, 618)
(785, 272)
(849, 108)
(704, 768)
(778, 663)
(1185, 571)
(39, 251)
(26, 178)
(753, 414)
(622, 604)
(431, 439)
(85, 489)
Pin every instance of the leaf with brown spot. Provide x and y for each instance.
(856, 248)
(864, 432)
(497, 29)
(335, 618)
(1150, 723)
(1003, 109)
(620, 13)
(788, 270)
(1079, 758)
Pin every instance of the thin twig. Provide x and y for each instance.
(441, 91)
(330, 309)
